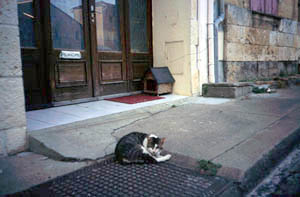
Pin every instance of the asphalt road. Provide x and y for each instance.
(284, 179)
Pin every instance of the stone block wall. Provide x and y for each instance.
(12, 106)
(258, 45)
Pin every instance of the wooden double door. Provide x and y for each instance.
(76, 50)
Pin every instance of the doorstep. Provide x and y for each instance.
(56, 116)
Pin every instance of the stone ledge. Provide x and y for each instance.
(227, 90)
(225, 84)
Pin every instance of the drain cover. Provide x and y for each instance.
(109, 178)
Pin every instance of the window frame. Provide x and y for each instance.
(262, 7)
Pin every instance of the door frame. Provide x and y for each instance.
(134, 59)
(36, 57)
(129, 60)
(99, 58)
(83, 89)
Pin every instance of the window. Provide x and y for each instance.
(66, 24)
(138, 26)
(108, 25)
(26, 23)
(265, 6)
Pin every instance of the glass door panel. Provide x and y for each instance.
(109, 55)
(69, 50)
(67, 24)
(138, 26)
(26, 23)
(107, 25)
(140, 47)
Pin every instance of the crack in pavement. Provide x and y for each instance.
(135, 121)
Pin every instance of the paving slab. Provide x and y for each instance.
(46, 118)
(200, 135)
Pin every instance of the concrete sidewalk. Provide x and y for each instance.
(237, 134)
(247, 136)
(55, 116)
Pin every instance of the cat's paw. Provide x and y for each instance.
(168, 156)
(163, 158)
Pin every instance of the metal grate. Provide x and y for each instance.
(109, 178)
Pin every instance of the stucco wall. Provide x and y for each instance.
(260, 46)
(171, 41)
(12, 108)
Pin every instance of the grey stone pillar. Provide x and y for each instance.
(12, 105)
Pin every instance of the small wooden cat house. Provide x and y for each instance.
(158, 81)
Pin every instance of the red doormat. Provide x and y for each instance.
(138, 98)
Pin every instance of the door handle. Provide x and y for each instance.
(92, 13)
(93, 17)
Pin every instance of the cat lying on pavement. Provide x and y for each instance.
(140, 148)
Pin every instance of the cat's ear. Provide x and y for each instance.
(162, 141)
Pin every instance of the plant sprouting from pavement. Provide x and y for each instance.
(209, 167)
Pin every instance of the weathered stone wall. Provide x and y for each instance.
(12, 110)
(257, 45)
(252, 70)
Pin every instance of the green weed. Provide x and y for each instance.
(209, 167)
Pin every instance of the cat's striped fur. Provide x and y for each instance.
(139, 147)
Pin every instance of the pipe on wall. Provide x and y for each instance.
(217, 23)
(210, 41)
(207, 47)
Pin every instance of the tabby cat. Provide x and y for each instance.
(140, 148)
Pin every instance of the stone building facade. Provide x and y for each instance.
(198, 40)
(12, 107)
(179, 41)
(260, 45)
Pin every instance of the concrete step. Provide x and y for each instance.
(90, 139)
